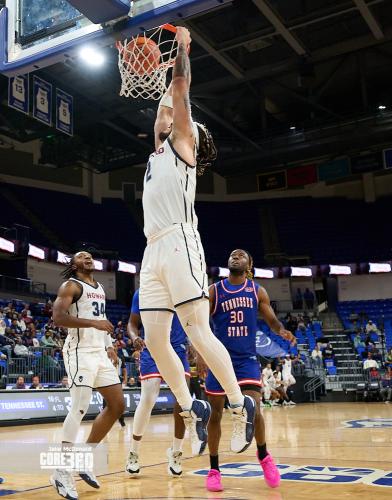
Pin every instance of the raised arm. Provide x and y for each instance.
(270, 318)
(65, 296)
(182, 133)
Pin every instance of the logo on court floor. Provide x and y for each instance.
(368, 423)
(308, 473)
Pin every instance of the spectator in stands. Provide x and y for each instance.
(309, 298)
(358, 342)
(328, 352)
(21, 350)
(120, 343)
(317, 356)
(48, 308)
(298, 303)
(370, 362)
(20, 383)
(15, 326)
(301, 323)
(35, 383)
(2, 326)
(47, 340)
(21, 323)
(371, 327)
(63, 384)
(6, 346)
(388, 358)
(291, 323)
(386, 386)
(8, 308)
(27, 318)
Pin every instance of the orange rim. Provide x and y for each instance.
(169, 27)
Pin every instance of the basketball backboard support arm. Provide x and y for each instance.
(16, 60)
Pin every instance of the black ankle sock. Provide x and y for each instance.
(262, 451)
(214, 462)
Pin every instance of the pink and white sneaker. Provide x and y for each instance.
(213, 481)
(271, 472)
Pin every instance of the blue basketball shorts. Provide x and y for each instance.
(148, 368)
(247, 370)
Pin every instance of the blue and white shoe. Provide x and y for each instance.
(90, 479)
(196, 421)
(243, 425)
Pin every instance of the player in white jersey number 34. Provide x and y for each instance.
(89, 359)
(173, 275)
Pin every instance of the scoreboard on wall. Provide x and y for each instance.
(20, 406)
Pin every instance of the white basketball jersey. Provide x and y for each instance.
(42, 101)
(169, 191)
(64, 113)
(286, 368)
(18, 89)
(90, 305)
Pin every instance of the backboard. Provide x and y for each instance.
(38, 33)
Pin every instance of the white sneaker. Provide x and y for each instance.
(174, 467)
(274, 403)
(243, 425)
(285, 403)
(291, 403)
(63, 482)
(132, 466)
(90, 479)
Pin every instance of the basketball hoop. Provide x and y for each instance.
(144, 61)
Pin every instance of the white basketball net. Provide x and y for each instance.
(140, 75)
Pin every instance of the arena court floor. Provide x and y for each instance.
(306, 435)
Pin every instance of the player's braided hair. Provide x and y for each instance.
(69, 271)
(206, 152)
(249, 271)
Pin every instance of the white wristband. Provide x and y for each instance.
(167, 100)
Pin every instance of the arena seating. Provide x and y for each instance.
(332, 230)
(379, 311)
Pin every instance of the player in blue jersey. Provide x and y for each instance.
(234, 304)
(150, 386)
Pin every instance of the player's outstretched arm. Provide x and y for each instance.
(270, 318)
(182, 133)
(65, 296)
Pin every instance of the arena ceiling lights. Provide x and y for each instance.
(126, 267)
(62, 258)
(303, 272)
(7, 245)
(339, 270)
(382, 267)
(263, 273)
(36, 252)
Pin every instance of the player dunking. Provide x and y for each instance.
(151, 383)
(89, 360)
(234, 304)
(173, 275)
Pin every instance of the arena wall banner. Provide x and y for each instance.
(387, 157)
(18, 93)
(272, 180)
(42, 100)
(299, 176)
(369, 162)
(334, 169)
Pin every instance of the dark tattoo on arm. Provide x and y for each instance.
(182, 67)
